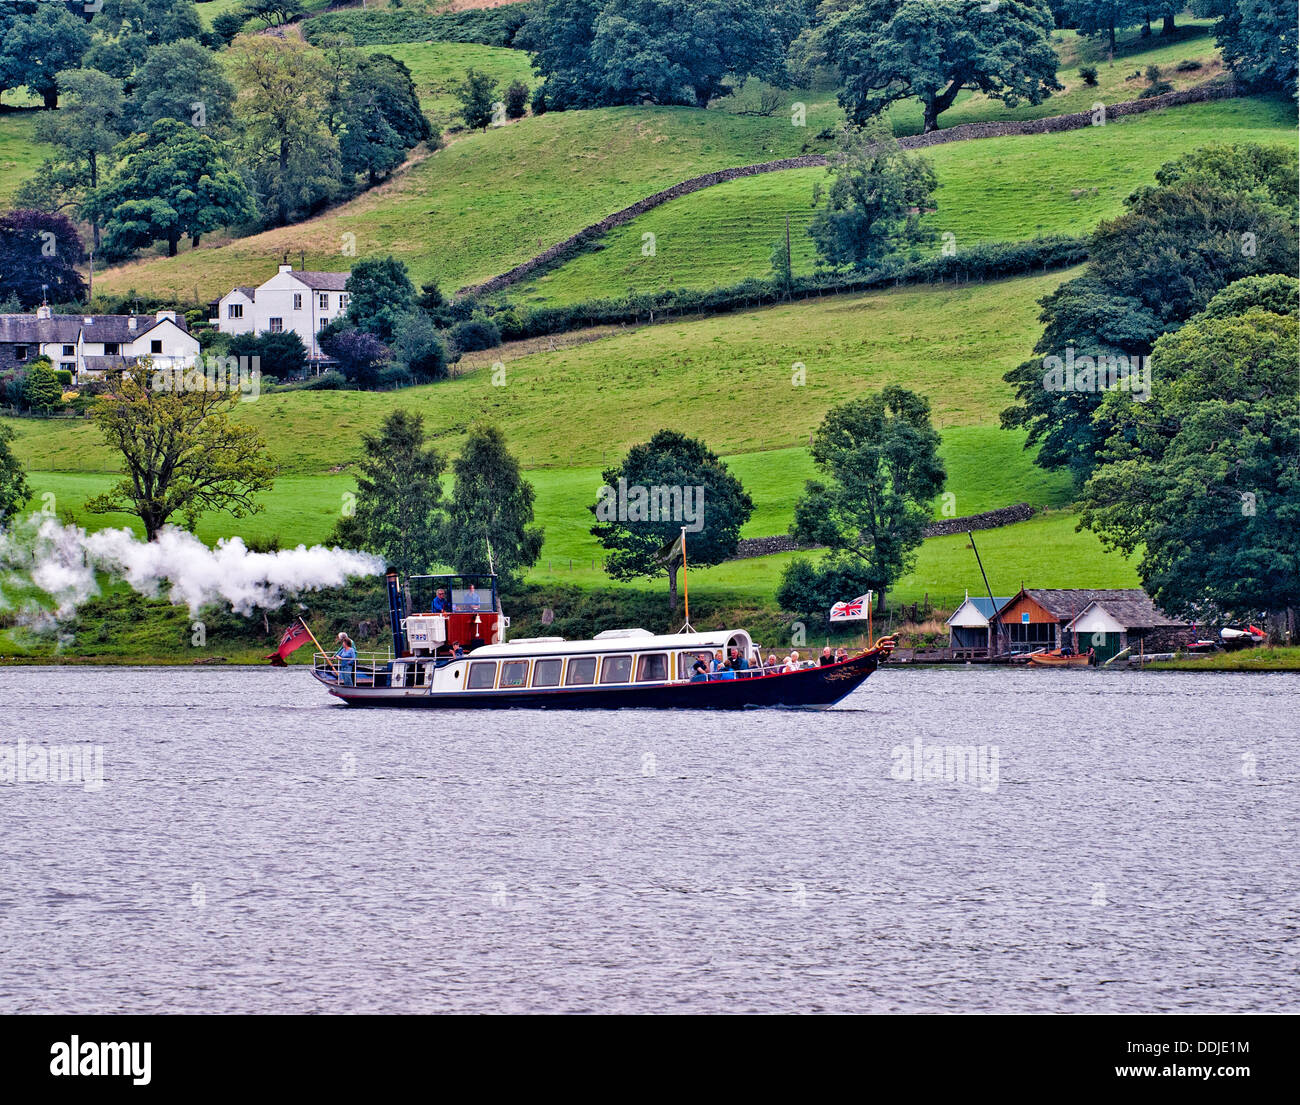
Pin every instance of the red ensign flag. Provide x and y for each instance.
(294, 637)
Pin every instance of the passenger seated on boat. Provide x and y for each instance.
(737, 662)
(792, 662)
(700, 669)
(841, 654)
(457, 653)
(470, 599)
(440, 601)
(772, 662)
(827, 656)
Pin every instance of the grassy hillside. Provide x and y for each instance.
(20, 153)
(996, 189)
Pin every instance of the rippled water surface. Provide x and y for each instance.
(256, 848)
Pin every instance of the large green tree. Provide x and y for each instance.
(380, 297)
(879, 465)
(670, 482)
(171, 183)
(489, 525)
(1204, 478)
(287, 145)
(39, 255)
(887, 50)
(38, 42)
(1103, 18)
(1219, 214)
(14, 491)
(876, 200)
(400, 511)
(183, 80)
(1258, 39)
(182, 454)
(381, 117)
(157, 21)
(84, 132)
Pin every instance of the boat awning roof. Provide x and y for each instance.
(648, 643)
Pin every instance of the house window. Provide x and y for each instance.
(155, 347)
(343, 303)
(297, 301)
(111, 349)
(275, 325)
(234, 310)
(69, 350)
(69, 366)
(324, 301)
(20, 352)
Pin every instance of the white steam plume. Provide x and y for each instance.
(62, 560)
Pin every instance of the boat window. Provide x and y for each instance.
(546, 673)
(514, 673)
(482, 675)
(616, 669)
(652, 668)
(582, 669)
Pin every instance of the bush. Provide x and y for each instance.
(1089, 74)
(420, 350)
(1188, 65)
(333, 380)
(282, 355)
(228, 24)
(475, 334)
(516, 100)
(64, 377)
(539, 100)
(1156, 85)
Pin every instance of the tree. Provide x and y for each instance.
(182, 80)
(171, 183)
(887, 51)
(181, 452)
(400, 510)
(39, 255)
(42, 389)
(84, 131)
(489, 524)
(157, 21)
(1258, 39)
(1217, 218)
(14, 491)
(1204, 477)
(669, 482)
(380, 297)
(420, 349)
(37, 45)
(602, 52)
(477, 94)
(288, 148)
(1105, 17)
(360, 356)
(875, 202)
(273, 12)
(227, 25)
(281, 354)
(880, 471)
(516, 100)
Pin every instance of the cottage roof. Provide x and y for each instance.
(981, 605)
(109, 364)
(31, 330)
(1131, 606)
(324, 281)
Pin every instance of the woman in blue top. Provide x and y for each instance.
(347, 658)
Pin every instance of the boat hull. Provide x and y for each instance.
(1048, 661)
(807, 689)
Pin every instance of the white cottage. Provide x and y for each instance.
(87, 345)
(971, 627)
(299, 301)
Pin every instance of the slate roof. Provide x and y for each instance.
(1131, 607)
(63, 329)
(323, 281)
(109, 364)
(987, 607)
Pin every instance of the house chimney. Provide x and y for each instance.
(286, 268)
(88, 320)
(170, 316)
(43, 311)
(130, 324)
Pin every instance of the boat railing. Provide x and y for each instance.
(369, 669)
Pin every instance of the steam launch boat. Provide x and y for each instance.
(453, 654)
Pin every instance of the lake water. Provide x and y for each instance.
(1129, 846)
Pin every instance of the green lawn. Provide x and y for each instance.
(20, 154)
(997, 189)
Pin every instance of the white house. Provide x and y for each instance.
(86, 345)
(299, 301)
(971, 624)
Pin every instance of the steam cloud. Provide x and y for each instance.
(62, 560)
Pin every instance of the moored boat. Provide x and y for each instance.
(453, 654)
(1059, 658)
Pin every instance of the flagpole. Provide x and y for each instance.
(686, 579)
(317, 643)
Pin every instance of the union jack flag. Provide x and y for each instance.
(847, 611)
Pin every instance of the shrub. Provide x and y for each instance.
(475, 334)
(539, 100)
(1188, 65)
(1089, 74)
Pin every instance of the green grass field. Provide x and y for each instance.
(996, 189)
(20, 154)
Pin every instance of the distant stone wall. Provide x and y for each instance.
(962, 133)
(750, 547)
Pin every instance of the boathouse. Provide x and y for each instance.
(1106, 621)
(971, 627)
